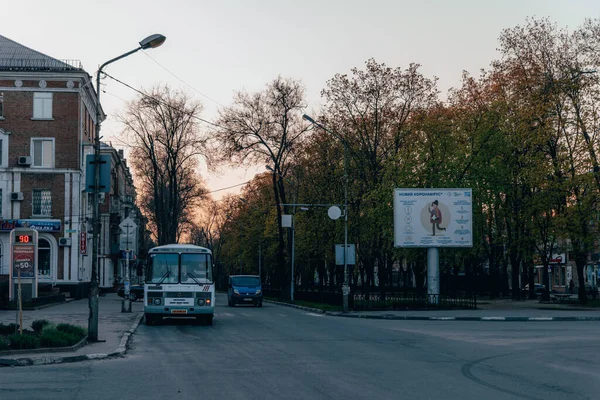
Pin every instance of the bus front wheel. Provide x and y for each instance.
(150, 320)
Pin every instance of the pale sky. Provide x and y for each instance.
(219, 47)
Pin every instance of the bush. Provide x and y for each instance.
(55, 338)
(18, 342)
(39, 324)
(3, 344)
(8, 329)
(72, 329)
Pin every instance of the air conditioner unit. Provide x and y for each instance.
(16, 196)
(64, 241)
(24, 160)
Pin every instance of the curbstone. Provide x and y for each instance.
(449, 318)
(304, 308)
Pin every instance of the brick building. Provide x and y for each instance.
(47, 125)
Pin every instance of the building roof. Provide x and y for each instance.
(16, 57)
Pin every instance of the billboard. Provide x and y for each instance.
(24, 261)
(42, 225)
(433, 218)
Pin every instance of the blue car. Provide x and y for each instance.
(244, 289)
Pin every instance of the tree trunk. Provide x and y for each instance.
(546, 281)
(531, 281)
(581, 291)
(515, 262)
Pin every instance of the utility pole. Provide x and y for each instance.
(150, 42)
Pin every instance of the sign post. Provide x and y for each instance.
(126, 244)
(23, 242)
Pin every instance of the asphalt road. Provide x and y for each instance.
(277, 352)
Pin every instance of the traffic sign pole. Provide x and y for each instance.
(128, 227)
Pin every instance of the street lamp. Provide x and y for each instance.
(293, 230)
(345, 287)
(150, 42)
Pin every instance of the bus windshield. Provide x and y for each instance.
(195, 267)
(165, 268)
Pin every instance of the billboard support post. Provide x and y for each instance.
(433, 275)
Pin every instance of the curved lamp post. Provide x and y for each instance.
(345, 287)
(150, 42)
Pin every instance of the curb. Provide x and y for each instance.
(424, 318)
(118, 352)
(280, 303)
(471, 319)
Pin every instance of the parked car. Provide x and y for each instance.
(244, 289)
(538, 289)
(136, 292)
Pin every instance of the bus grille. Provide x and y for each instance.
(179, 294)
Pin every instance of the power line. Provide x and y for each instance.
(159, 100)
(230, 187)
(182, 81)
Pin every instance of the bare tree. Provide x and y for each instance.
(162, 129)
(265, 127)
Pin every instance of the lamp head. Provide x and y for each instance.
(152, 41)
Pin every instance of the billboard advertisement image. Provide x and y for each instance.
(433, 218)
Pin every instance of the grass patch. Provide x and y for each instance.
(52, 337)
(44, 334)
(593, 303)
(23, 342)
(71, 329)
(39, 324)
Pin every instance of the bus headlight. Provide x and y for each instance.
(200, 302)
(258, 291)
(236, 291)
(157, 302)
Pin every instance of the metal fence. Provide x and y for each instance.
(375, 300)
(411, 301)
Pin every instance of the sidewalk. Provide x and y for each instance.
(114, 329)
(487, 310)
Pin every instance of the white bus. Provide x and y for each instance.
(179, 283)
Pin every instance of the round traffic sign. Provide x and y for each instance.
(334, 212)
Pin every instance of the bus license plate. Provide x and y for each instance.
(178, 311)
(247, 299)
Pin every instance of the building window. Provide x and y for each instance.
(43, 257)
(3, 148)
(1, 203)
(42, 151)
(42, 105)
(1, 105)
(42, 203)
